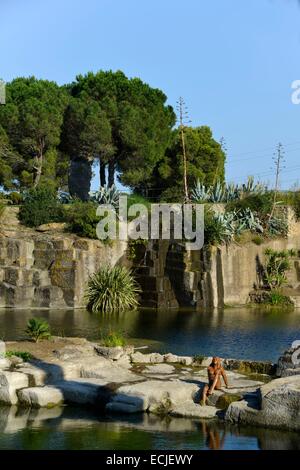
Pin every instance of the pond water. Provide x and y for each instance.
(71, 428)
(245, 333)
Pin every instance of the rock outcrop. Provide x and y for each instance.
(51, 269)
(289, 362)
(276, 405)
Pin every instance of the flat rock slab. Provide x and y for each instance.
(111, 374)
(4, 363)
(36, 376)
(153, 394)
(159, 369)
(190, 409)
(152, 358)
(41, 397)
(85, 391)
(10, 383)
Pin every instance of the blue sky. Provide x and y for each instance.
(233, 62)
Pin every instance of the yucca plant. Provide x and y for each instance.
(112, 289)
(37, 329)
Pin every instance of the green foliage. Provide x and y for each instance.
(257, 240)
(215, 230)
(276, 265)
(32, 120)
(276, 298)
(123, 122)
(113, 339)
(38, 329)
(40, 207)
(110, 289)
(296, 204)
(222, 228)
(133, 247)
(15, 198)
(205, 161)
(82, 219)
(135, 198)
(198, 358)
(2, 209)
(260, 203)
(106, 195)
(26, 356)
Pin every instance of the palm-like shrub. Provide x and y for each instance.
(110, 289)
(276, 266)
(38, 328)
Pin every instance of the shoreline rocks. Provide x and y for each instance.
(124, 381)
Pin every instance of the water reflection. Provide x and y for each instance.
(74, 428)
(249, 333)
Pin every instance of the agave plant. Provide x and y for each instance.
(277, 226)
(250, 220)
(37, 329)
(231, 192)
(200, 193)
(217, 194)
(106, 195)
(64, 197)
(112, 289)
(252, 188)
(226, 226)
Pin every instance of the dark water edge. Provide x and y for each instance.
(242, 333)
(76, 429)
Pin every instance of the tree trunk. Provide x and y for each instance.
(102, 174)
(38, 169)
(111, 173)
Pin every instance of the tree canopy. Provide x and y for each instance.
(48, 131)
(32, 119)
(130, 125)
(205, 161)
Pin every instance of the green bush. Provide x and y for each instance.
(37, 329)
(15, 198)
(259, 203)
(276, 298)
(2, 208)
(112, 288)
(136, 199)
(276, 265)
(26, 356)
(113, 339)
(82, 219)
(257, 240)
(40, 207)
(296, 204)
(215, 231)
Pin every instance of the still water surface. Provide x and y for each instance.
(246, 333)
(71, 428)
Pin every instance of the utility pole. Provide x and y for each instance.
(183, 121)
(224, 149)
(278, 159)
